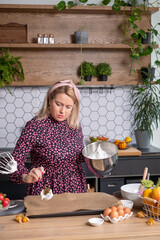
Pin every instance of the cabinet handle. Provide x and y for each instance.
(112, 185)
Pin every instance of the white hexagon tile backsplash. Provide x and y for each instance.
(102, 112)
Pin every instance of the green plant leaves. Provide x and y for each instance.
(10, 69)
(83, 1)
(104, 69)
(157, 62)
(61, 6)
(71, 4)
(147, 51)
(145, 106)
(87, 69)
(116, 7)
(105, 2)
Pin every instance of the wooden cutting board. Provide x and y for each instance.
(131, 151)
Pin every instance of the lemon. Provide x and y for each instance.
(128, 139)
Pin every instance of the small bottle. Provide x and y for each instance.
(51, 39)
(39, 39)
(45, 39)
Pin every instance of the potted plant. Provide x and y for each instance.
(147, 73)
(10, 69)
(103, 71)
(133, 34)
(81, 36)
(145, 106)
(87, 70)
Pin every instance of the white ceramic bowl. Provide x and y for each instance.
(131, 192)
(127, 203)
(96, 221)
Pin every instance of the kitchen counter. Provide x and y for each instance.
(77, 228)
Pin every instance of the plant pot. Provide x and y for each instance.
(87, 78)
(142, 139)
(146, 40)
(147, 73)
(81, 37)
(103, 78)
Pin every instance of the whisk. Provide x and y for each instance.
(7, 163)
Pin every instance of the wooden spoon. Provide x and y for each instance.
(144, 177)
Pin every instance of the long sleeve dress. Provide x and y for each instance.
(58, 148)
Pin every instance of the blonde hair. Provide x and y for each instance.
(73, 118)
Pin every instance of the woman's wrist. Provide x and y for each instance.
(24, 177)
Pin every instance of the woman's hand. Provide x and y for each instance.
(34, 175)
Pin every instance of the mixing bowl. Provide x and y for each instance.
(102, 157)
(131, 192)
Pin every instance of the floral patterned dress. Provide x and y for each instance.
(58, 148)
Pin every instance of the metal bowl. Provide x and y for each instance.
(101, 167)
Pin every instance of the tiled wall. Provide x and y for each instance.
(103, 112)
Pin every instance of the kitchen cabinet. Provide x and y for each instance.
(45, 64)
(110, 186)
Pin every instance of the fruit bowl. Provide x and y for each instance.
(4, 208)
(151, 207)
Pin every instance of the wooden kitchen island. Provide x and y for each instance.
(76, 228)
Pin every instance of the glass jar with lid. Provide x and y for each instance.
(39, 39)
(45, 39)
(51, 39)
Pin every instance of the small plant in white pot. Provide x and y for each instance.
(103, 71)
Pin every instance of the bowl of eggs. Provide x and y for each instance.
(117, 213)
(131, 192)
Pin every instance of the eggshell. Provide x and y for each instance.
(113, 208)
(121, 212)
(114, 214)
(120, 206)
(106, 212)
(127, 210)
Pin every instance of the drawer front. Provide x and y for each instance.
(111, 185)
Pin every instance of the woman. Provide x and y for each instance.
(54, 139)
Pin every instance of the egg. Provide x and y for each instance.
(127, 210)
(121, 212)
(114, 214)
(120, 206)
(113, 208)
(106, 212)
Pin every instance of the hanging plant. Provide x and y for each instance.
(11, 69)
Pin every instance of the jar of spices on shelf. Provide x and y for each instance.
(39, 39)
(51, 39)
(45, 39)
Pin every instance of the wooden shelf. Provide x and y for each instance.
(52, 8)
(45, 64)
(68, 46)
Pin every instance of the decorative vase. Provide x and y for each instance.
(103, 78)
(81, 37)
(142, 139)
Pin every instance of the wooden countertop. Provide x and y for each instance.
(77, 228)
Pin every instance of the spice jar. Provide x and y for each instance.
(39, 38)
(51, 39)
(45, 39)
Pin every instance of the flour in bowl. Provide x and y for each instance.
(99, 154)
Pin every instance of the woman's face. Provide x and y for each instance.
(61, 106)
